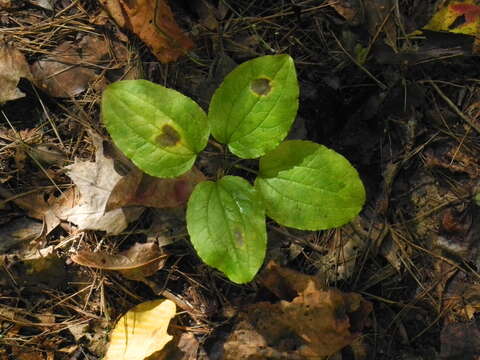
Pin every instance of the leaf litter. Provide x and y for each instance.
(412, 254)
(13, 67)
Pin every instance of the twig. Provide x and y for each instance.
(454, 107)
(363, 68)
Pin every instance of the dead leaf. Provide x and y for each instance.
(45, 4)
(207, 13)
(72, 66)
(153, 22)
(449, 13)
(350, 10)
(313, 324)
(13, 66)
(47, 207)
(18, 231)
(140, 189)
(142, 331)
(37, 267)
(95, 181)
(136, 263)
(460, 341)
(183, 347)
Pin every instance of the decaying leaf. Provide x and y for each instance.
(72, 66)
(136, 263)
(37, 267)
(460, 341)
(315, 323)
(18, 231)
(448, 17)
(153, 22)
(47, 207)
(13, 66)
(95, 181)
(142, 331)
(140, 189)
(46, 4)
(350, 10)
(5, 4)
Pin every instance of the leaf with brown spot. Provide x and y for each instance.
(136, 263)
(153, 22)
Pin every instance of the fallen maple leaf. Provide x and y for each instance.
(142, 331)
(153, 22)
(95, 181)
(13, 66)
(136, 263)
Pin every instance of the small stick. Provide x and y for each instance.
(455, 107)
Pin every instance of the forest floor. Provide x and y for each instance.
(401, 281)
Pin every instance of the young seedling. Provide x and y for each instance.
(301, 184)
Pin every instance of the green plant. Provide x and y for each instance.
(300, 184)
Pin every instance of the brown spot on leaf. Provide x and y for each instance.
(261, 86)
(238, 237)
(168, 137)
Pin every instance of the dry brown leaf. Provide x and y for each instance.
(136, 263)
(48, 207)
(139, 189)
(460, 341)
(72, 66)
(19, 231)
(351, 10)
(314, 324)
(13, 66)
(5, 4)
(95, 181)
(46, 4)
(153, 22)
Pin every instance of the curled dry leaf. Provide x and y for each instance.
(142, 331)
(136, 263)
(153, 22)
(140, 189)
(13, 66)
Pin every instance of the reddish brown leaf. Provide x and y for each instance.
(470, 11)
(315, 323)
(139, 189)
(153, 22)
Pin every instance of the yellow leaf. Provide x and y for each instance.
(142, 331)
(446, 18)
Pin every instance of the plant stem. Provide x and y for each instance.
(238, 166)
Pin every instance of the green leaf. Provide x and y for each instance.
(307, 186)
(159, 129)
(226, 223)
(255, 106)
